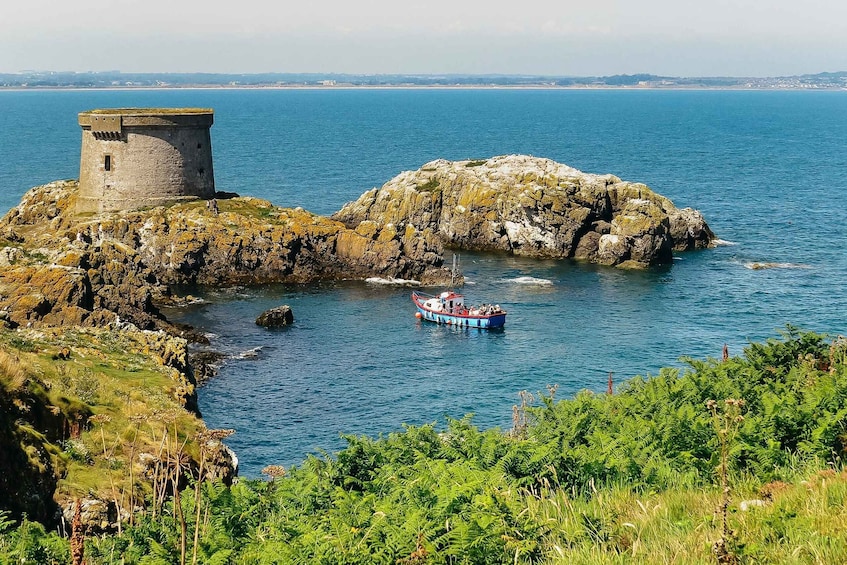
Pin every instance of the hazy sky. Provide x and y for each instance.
(565, 37)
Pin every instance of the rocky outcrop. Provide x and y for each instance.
(65, 392)
(64, 269)
(533, 207)
(278, 317)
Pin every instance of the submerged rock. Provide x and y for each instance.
(278, 317)
(534, 207)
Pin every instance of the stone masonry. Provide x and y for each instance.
(136, 158)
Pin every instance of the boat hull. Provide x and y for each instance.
(485, 322)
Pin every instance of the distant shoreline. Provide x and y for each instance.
(426, 87)
(116, 79)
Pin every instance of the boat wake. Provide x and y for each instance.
(532, 281)
(757, 266)
(392, 281)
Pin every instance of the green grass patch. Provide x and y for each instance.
(21, 343)
(116, 399)
(37, 256)
(430, 186)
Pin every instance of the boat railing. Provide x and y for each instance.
(423, 294)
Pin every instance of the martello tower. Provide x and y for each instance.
(139, 157)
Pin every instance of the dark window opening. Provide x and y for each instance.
(201, 170)
(107, 163)
(199, 146)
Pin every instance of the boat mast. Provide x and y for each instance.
(454, 271)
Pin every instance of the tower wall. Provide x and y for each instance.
(141, 157)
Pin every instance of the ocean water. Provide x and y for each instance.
(767, 169)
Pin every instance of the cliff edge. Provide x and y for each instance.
(83, 416)
(534, 207)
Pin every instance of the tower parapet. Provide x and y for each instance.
(141, 157)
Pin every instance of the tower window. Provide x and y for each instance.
(107, 163)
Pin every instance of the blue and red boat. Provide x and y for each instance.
(450, 308)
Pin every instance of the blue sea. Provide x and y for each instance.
(767, 169)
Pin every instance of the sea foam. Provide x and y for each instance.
(252, 353)
(531, 281)
(392, 281)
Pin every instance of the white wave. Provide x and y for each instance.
(723, 243)
(757, 266)
(392, 281)
(531, 281)
(249, 354)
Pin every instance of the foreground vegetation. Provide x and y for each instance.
(98, 415)
(739, 460)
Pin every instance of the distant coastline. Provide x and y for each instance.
(408, 87)
(116, 80)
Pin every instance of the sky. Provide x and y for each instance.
(561, 38)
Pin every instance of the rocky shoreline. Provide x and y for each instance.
(61, 269)
(65, 269)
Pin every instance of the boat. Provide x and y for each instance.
(449, 308)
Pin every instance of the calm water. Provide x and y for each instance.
(768, 170)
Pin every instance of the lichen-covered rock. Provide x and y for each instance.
(278, 317)
(96, 515)
(689, 229)
(534, 207)
(66, 269)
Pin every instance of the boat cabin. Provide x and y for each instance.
(447, 302)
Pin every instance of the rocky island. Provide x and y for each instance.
(534, 207)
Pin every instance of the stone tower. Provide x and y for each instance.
(140, 157)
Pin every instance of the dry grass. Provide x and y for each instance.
(12, 374)
(798, 522)
(149, 111)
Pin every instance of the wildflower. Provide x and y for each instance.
(274, 471)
